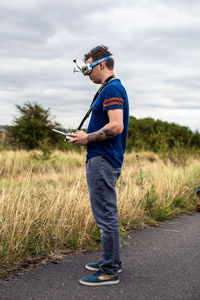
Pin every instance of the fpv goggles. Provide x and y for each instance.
(87, 68)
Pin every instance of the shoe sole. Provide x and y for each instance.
(96, 269)
(98, 283)
(91, 268)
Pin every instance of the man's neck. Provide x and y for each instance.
(106, 75)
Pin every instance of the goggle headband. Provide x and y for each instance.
(100, 60)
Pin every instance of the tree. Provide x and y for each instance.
(159, 136)
(33, 126)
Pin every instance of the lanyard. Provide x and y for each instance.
(95, 97)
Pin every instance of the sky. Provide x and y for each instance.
(155, 45)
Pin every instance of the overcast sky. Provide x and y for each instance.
(155, 44)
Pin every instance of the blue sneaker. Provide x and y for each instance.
(96, 266)
(99, 278)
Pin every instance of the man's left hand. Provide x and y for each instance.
(79, 138)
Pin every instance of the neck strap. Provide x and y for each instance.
(95, 97)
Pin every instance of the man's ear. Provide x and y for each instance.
(101, 65)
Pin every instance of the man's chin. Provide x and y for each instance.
(95, 81)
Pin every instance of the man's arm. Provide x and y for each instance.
(111, 129)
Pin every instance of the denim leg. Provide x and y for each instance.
(102, 178)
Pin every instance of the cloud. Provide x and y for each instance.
(155, 45)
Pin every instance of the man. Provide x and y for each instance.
(106, 141)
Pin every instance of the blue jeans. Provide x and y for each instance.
(101, 179)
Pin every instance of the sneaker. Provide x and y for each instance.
(96, 266)
(99, 278)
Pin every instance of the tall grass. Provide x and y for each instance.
(44, 204)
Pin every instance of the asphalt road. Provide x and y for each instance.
(159, 263)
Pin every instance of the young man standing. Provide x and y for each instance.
(106, 141)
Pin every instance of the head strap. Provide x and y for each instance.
(100, 60)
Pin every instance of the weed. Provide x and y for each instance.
(45, 206)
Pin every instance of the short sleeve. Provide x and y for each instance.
(113, 99)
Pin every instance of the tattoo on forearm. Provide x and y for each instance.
(100, 135)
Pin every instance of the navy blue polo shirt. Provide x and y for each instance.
(113, 96)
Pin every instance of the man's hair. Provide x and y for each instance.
(98, 53)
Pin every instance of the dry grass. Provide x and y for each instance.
(44, 205)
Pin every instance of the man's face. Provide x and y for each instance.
(95, 74)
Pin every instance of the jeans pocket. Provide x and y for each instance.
(95, 161)
(113, 175)
(118, 172)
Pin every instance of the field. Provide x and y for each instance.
(45, 208)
